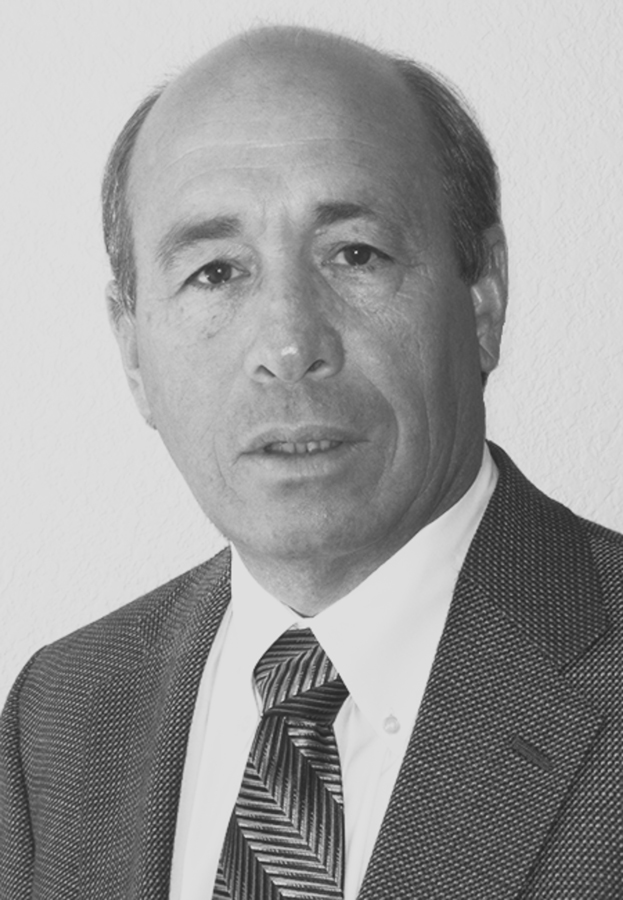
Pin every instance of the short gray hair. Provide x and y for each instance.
(116, 216)
(468, 172)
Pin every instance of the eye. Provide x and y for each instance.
(215, 273)
(358, 255)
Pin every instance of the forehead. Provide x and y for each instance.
(304, 130)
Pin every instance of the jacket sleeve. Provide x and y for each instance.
(16, 841)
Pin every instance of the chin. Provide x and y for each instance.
(318, 537)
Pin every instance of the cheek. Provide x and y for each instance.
(420, 353)
(437, 322)
(402, 340)
(183, 384)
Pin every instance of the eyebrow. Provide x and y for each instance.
(331, 213)
(328, 214)
(183, 236)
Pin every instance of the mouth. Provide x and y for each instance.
(301, 441)
(301, 448)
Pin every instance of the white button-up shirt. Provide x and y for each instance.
(382, 638)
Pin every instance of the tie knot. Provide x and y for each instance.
(295, 677)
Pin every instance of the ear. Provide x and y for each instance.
(489, 297)
(123, 324)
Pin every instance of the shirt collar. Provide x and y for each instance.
(385, 631)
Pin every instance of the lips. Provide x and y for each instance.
(302, 440)
(300, 448)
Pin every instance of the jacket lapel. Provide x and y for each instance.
(500, 734)
(138, 731)
(188, 652)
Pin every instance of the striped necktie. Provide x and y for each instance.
(286, 834)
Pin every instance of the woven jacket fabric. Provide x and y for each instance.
(512, 783)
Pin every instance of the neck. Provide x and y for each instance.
(308, 585)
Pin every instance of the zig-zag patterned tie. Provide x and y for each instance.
(286, 834)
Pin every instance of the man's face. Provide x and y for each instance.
(302, 340)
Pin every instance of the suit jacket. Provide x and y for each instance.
(511, 784)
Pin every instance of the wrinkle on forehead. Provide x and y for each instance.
(190, 154)
(216, 125)
(255, 156)
(247, 188)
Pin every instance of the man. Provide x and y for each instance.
(310, 287)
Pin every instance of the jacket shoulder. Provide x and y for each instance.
(121, 639)
(556, 575)
(604, 537)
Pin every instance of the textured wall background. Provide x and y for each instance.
(93, 513)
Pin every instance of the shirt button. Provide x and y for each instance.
(391, 725)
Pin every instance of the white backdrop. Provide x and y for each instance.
(93, 513)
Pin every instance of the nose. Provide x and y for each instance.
(293, 337)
